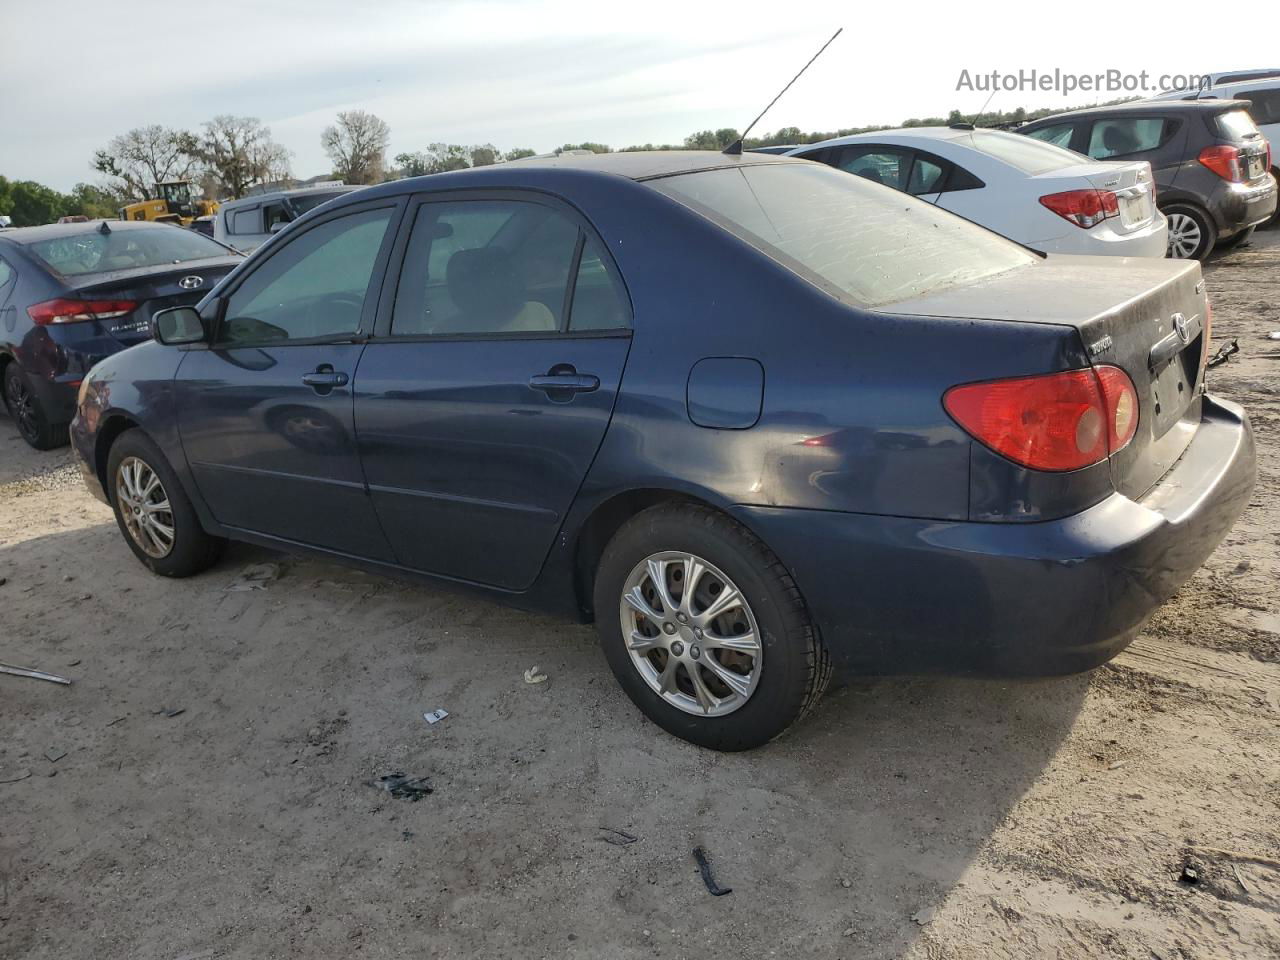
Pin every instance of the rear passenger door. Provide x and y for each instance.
(486, 392)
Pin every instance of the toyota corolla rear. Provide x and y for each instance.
(977, 458)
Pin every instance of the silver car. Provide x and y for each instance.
(250, 221)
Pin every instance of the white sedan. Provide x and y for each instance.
(1042, 196)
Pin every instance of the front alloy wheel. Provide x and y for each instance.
(144, 507)
(691, 634)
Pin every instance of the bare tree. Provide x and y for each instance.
(357, 145)
(239, 152)
(138, 160)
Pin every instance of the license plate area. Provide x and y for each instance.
(1173, 386)
(1255, 167)
(1135, 211)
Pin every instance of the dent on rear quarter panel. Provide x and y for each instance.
(852, 417)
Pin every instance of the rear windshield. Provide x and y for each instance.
(1236, 124)
(301, 204)
(1032, 157)
(95, 252)
(868, 242)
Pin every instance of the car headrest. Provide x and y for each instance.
(484, 286)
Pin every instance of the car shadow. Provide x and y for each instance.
(297, 692)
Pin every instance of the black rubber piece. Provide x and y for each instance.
(704, 867)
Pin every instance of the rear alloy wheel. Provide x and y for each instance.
(1191, 235)
(153, 512)
(705, 630)
(28, 413)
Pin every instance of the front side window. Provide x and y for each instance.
(871, 246)
(1264, 105)
(273, 213)
(886, 165)
(1059, 134)
(485, 267)
(313, 286)
(244, 222)
(1122, 136)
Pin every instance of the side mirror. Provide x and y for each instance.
(177, 326)
(277, 226)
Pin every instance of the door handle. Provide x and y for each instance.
(565, 382)
(325, 378)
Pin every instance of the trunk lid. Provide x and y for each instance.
(1126, 312)
(155, 289)
(1131, 182)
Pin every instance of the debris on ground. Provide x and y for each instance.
(619, 838)
(54, 754)
(1274, 335)
(1224, 353)
(254, 577)
(401, 786)
(533, 676)
(33, 674)
(169, 712)
(13, 776)
(435, 716)
(924, 916)
(704, 867)
(1190, 874)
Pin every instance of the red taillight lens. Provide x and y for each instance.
(1057, 421)
(1224, 161)
(1084, 208)
(78, 311)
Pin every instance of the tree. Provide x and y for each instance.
(29, 203)
(484, 155)
(519, 153)
(143, 157)
(94, 202)
(357, 145)
(711, 139)
(587, 145)
(239, 152)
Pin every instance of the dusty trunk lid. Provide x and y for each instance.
(1146, 316)
(155, 289)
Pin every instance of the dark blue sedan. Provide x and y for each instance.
(763, 421)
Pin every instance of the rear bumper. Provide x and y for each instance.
(901, 595)
(1103, 241)
(1241, 206)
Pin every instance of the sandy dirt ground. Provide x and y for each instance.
(912, 818)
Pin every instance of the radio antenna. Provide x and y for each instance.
(735, 148)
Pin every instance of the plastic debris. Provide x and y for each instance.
(435, 716)
(1224, 353)
(619, 838)
(169, 712)
(54, 754)
(13, 776)
(924, 916)
(33, 674)
(401, 786)
(533, 676)
(704, 867)
(1274, 335)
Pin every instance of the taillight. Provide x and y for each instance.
(1224, 161)
(1084, 208)
(1056, 421)
(78, 311)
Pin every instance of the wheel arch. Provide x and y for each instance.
(608, 516)
(114, 424)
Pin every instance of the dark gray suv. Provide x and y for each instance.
(1211, 163)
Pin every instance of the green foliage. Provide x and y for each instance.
(519, 153)
(31, 204)
(592, 147)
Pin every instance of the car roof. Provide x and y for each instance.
(1146, 106)
(295, 192)
(50, 231)
(643, 164)
(1236, 86)
(923, 133)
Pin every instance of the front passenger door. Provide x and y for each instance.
(266, 411)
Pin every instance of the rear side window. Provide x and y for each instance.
(303, 202)
(6, 274)
(1236, 125)
(926, 176)
(886, 165)
(1121, 136)
(1030, 156)
(313, 286)
(1264, 105)
(1058, 134)
(246, 221)
(868, 245)
(598, 300)
(95, 252)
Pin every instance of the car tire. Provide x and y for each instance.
(170, 542)
(748, 695)
(28, 412)
(1191, 232)
(1237, 240)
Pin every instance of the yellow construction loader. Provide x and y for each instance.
(178, 203)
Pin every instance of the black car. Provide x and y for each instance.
(72, 293)
(1211, 163)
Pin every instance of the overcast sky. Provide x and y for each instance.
(541, 73)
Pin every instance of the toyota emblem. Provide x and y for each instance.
(191, 282)
(1180, 325)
